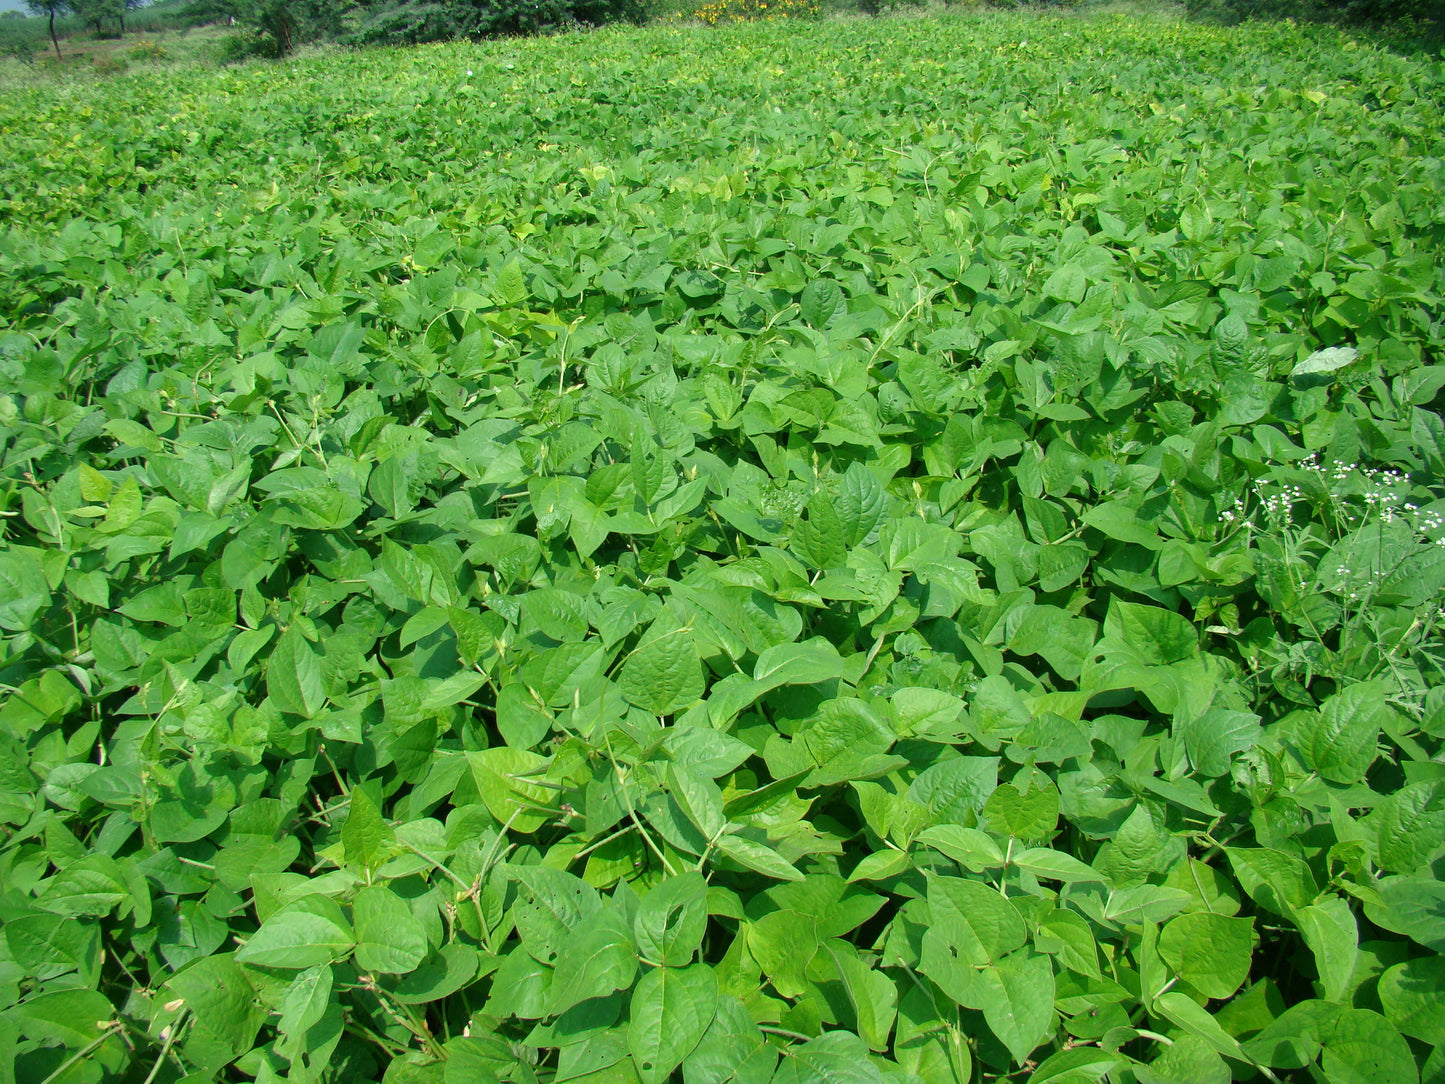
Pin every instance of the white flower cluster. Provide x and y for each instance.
(1382, 493)
(1278, 507)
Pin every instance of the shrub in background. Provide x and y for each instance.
(1360, 12)
(729, 11)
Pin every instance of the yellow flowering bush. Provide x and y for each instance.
(147, 50)
(728, 11)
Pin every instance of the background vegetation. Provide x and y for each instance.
(276, 27)
(868, 550)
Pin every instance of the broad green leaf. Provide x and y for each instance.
(821, 301)
(1213, 738)
(733, 1051)
(1409, 826)
(294, 677)
(663, 674)
(818, 538)
(783, 942)
(367, 839)
(880, 865)
(1132, 854)
(305, 1001)
(861, 504)
(1052, 865)
(504, 778)
(1332, 934)
(759, 858)
(1069, 938)
(872, 994)
(1413, 906)
(1019, 1001)
(1324, 361)
(671, 1010)
(596, 958)
(1030, 815)
(671, 920)
(309, 932)
(94, 885)
(24, 590)
(389, 938)
(1413, 997)
(1158, 636)
(837, 1056)
(1277, 881)
(67, 1017)
(1339, 740)
(224, 1007)
(1210, 952)
(973, 849)
(1360, 1047)
(1186, 1013)
(809, 663)
(553, 903)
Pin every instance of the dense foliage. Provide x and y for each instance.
(1430, 14)
(849, 551)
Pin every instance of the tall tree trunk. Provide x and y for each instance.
(122, 22)
(53, 38)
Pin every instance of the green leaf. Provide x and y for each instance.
(223, 1004)
(733, 1051)
(1360, 1047)
(1412, 995)
(93, 885)
(1210, 952)
(511, 286)
(821, 301)
(861, 504)
(783, 943)
(971, 848)
(503, 777)
(1119, 521)
(67, 1017)
(367, 840)
(1018, 1002)
(1413, 906)
(294, 676)
(1322, 362)
(1213, 738)
(880, 866)
(759, 858)
(24, 590)
(837, 1057)
(1052, 865)
(389, 938)
(671, 1009)
(1277, 881)
(872, 994)
(1030, 815)
(1158, 636)
(663, 674)
(1330, 931)
(818, 538)
(310, 931)
(671, 920)
(1186, 1013)
(596, 958)
(1339, 741)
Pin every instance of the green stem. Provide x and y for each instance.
(171, 1032)
(81, 1054)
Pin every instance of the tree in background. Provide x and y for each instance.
(50, 8)
(98, 12)
(128, 5)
